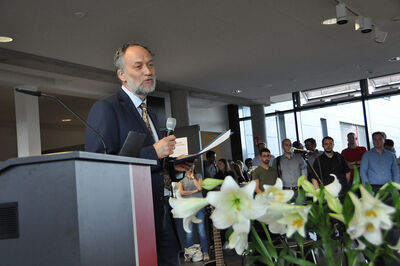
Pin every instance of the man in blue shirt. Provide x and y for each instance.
(378, 166)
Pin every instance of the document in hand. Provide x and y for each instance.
(216, 142)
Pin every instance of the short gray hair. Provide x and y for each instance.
(119, 54)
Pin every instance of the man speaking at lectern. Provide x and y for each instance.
(126, 110)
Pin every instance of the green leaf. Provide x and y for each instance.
(369, 188)
(264, 252)
(271, 249)
(356, 180)
(395, 196)
(301, 196)
(228, 233)
(348, 209)
(298, 261)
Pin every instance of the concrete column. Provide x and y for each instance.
(180, 107)
(28, 126)
(258, 123)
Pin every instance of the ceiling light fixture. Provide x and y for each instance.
(394, 59)
(329, 21)
(80, 14)
(5, 39)
(341, 14)
(364, 24)
(66, 120)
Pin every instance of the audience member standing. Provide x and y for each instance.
(257, 159)
(223, 169)
(264, 174)
(190, 187)
(311, 145)
(331, 162)
(389, 145)
(378, 166)
(289, 166)
(210, 167)
(353, 153)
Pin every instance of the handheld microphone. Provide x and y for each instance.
(170, 125)
(296, 150)
(39, 93)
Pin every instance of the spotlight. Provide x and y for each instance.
(364, 24)
(379, 36)
(341, 14)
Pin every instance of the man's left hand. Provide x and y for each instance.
(183, 167)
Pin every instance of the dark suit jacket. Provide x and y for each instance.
(113, 117)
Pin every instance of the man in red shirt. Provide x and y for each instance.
(353, 153)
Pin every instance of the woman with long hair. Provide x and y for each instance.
(190, 187)
(223, 169)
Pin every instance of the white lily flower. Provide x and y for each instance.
(187, 209)
(396, 247)
(295, 218)
(235, 206)
(275, 193)
(370, 216)
(334, 187)
(272, 216)
(238, 241)
(211, 183)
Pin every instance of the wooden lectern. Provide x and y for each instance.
(76, 208)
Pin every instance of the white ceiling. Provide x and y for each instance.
(209, 47)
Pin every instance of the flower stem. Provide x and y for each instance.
(266, 233)
(264, 251)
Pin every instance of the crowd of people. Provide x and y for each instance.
(376, 166)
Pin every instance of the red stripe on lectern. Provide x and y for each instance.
(143, 203)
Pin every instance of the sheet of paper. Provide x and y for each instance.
(217, 141)
(181, 147)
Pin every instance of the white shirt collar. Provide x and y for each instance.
(134, 98)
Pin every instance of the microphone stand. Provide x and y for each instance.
(304, 155)
(39, 93)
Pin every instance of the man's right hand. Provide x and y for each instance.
(165, 146)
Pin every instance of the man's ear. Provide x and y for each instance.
(121, 75)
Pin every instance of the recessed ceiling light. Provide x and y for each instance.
(329, 21)
(236, 91)
(80, 14)
(5, 39)
(394, 59)
(66, 120)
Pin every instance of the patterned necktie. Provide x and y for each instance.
(145, 117)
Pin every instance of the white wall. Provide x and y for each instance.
(213, 119)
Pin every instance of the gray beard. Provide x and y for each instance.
(141, 90)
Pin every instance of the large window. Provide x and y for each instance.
(335, 121)
(335, 111)
(279, 127)
(383, 115)
(246, 137)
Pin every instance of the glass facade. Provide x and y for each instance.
(340, 120)
(334, 111)
(383, 115)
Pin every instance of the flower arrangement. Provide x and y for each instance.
(354, 232)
